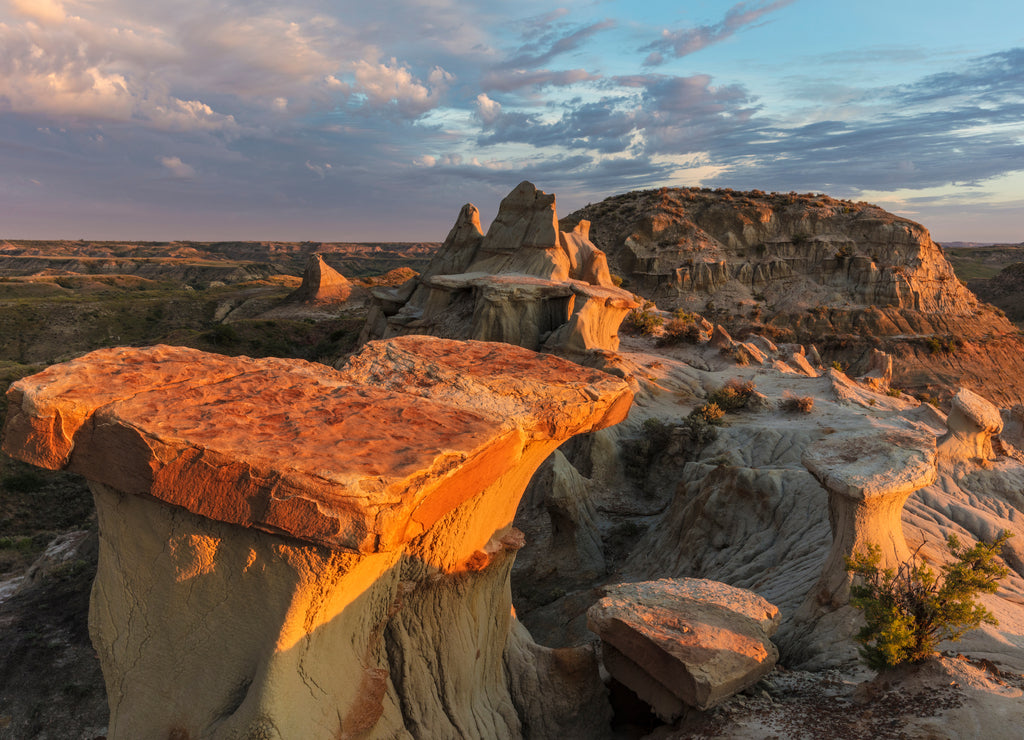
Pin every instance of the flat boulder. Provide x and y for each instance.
(684, 642)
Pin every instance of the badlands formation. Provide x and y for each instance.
(346, 546)
(525, 283)
(847, 277)
(290, 551)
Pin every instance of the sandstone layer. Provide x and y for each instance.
(684, 642)
(849, 277)
(337, 544)
(525, 283)
(321, 283)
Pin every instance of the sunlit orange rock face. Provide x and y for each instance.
(525, 282)
(296, 551)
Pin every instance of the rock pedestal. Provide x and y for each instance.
(291, 551)
(868, 478)
(972, 423)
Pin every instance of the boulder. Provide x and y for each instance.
(525, 283)
(799, 361)
(720, 338)
(337, 544)
(879, 372)
(684, 642)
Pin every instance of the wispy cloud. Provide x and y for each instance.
(682, 42)
(539, 52)
(292, 105)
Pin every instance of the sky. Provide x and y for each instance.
(337, 120)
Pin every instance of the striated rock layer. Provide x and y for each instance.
(848, 277)
(291, 551)
(684, 642)
(525, 283)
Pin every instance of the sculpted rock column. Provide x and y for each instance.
(289, 551)
(868, 479)
(525, 283)
(972, 423)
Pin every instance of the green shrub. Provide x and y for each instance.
(643, 321)
(908, 610)
(733, 395)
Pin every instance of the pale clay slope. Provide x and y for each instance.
(748, 512)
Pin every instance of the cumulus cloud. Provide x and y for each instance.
(686, 41)
(177, 168)
(487, 110)
(392, 85)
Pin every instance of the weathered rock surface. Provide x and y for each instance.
(321, 283)
(868, 478)
(972, 422)
(812, 267)
(338, 544)
(685, 642)
(525, 283)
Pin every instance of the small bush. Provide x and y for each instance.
(796, 404)
(733, 395)
(909, 610)
(683, 328)
(643, 321)
(709, 413)
(641, 452)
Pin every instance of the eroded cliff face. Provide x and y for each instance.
(672, 242)
(291, 551)
(526, 283)
(847, 277)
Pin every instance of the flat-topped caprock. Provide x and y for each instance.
(347, 459)
(291, 551)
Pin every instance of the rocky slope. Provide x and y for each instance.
(1004, 289)
(847, 277)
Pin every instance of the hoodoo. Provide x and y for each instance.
(291, 551)
(525, 283)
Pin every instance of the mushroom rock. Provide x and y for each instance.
(868, 478)
(524, 283)
(972, 422)
(684, 642)
(321, 283)
(336, 544)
